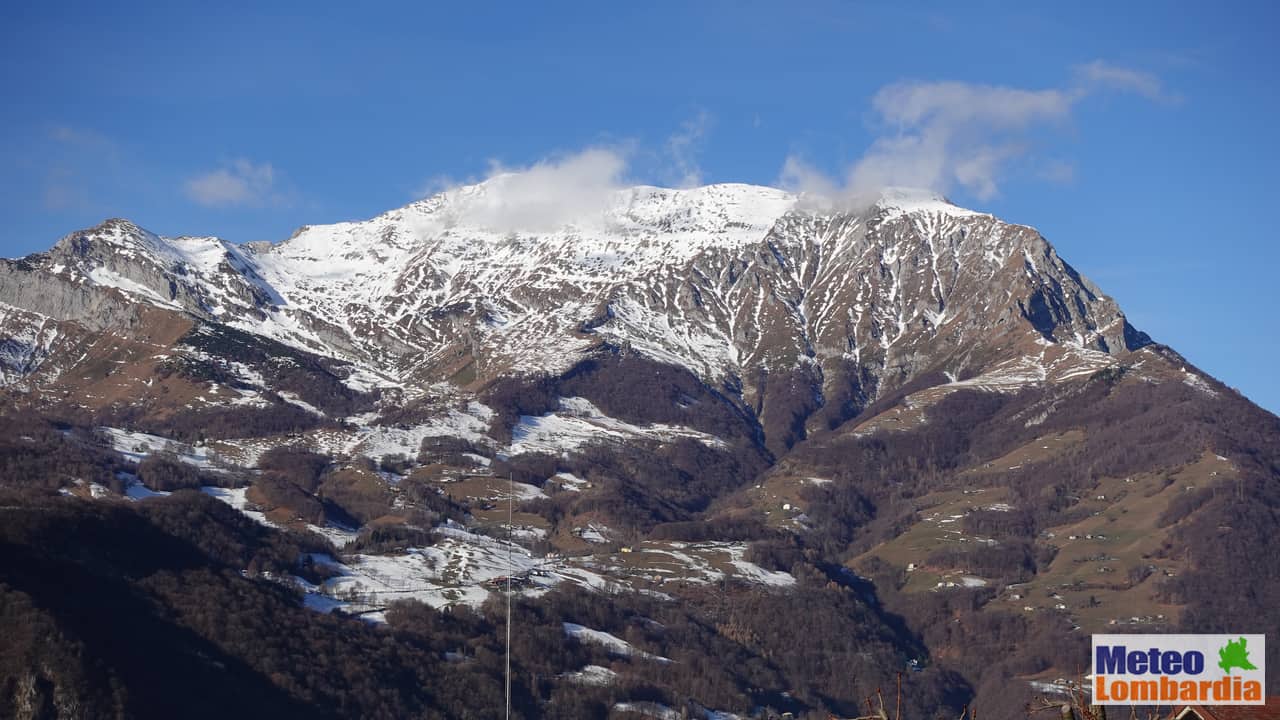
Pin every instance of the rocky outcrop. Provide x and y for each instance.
(26, 286)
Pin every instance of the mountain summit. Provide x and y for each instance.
(729, 281)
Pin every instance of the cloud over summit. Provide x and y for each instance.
(942, 136)
(548, 194)
(576, 187)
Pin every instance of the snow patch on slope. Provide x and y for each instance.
(578, 422)
(612, 643)
(136, 446)
(592, 675)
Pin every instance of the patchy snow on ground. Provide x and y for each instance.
(235, 497)
(337, 534)
(313, 599)
(135, 490)
(708, 562)
(591, 675)
(648, 709)
(241, 452)
(721, 715)
(478, 459)
(568, 482)
(363, 380)
(525, 491)
(137, 445)
(612, 643)
(750, 571)
(461, 568)
(578, 422)
(528, 532)
(1195, 381)
(321, 603)
(965, 581)
(376, 441)
(293, 399)
(1050, 688)
(594, 533)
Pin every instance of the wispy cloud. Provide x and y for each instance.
(240, 182)
(434, 185)
(800, 176)
(1100, 74)
(82, 137)
(682, 150)
(948, 135)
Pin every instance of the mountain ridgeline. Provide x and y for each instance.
(765, 457)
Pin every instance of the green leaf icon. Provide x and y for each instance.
(1235, 654)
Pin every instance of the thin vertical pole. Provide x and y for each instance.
(897, 706)
(511, 493)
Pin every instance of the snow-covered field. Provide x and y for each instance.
(137, 445)
(612, 643)
(135, 490)
(701, 563)
(470, 423)
(461, 568)
(464, 567)
(647, 709)
(592, 675)
(235, 497)
(578, 422)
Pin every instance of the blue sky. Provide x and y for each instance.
(1138, 137)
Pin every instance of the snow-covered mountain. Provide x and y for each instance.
(734, 282)
(731, 396)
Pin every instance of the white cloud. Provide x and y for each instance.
(434, 185)
(956, 104)
(570, 188)
(943, 136)
(1100, 74)
(682, 150)
(815, 186)
(240, 182)
(549, 194)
